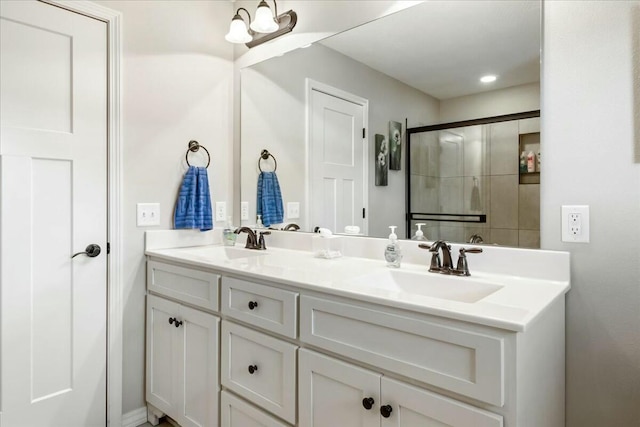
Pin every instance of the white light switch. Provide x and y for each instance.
(148, 214)
(221, 211)
(293, 210)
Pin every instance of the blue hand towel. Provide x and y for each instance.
(269, 199)
(193, 208)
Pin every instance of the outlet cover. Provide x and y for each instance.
(244, 211)
(293, 210)
(147, 214)
(221, 211)
(575, 223)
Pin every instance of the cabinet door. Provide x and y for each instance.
(404, 405)
(332, 393)
(198, 369)
(161, 353)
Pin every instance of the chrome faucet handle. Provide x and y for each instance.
(462, 268)
(261, 245)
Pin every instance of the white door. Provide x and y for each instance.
(53, 145)
(338, 185)
(333, 393)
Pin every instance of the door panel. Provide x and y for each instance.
(53, 97)
(338, 183)
(161, 355)
(331, 393)
(415, 407)
(200, 368)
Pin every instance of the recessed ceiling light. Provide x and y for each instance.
(488, 79)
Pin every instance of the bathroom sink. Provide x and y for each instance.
(226, 252)
(235, 253)
(462, 289)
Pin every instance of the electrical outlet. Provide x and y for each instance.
(147, 214)
(575, 224)
(244, 211)
(293, 210)
(221, 211)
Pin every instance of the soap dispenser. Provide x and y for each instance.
(392, 252)
(419, 234)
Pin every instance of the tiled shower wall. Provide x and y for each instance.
(447, 165)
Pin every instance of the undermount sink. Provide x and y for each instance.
(235, 253)
(462, 289)
(227, 252)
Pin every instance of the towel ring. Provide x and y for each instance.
(193, 147)
(264, 156)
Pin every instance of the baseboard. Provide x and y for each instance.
(135, 417)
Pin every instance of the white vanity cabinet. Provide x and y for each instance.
(182, 362)
(290, 355)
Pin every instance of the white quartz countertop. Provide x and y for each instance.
(515, 305)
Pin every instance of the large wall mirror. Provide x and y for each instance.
(417, 69)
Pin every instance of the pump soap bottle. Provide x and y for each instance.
(419, 234)
(393, 253)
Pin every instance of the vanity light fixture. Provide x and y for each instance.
(265, 27)
(488, 78)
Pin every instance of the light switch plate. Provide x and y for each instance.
(575, 224)
(293, 210)
(147, 214)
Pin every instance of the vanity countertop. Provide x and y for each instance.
(515, 305)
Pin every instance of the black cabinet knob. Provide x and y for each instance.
(253, 304)
(175, 322)
(386, 411)
(368, 402)
(253, 368)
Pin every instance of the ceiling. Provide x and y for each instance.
(443, 47)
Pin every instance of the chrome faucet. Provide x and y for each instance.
(291, 227)
(446, 266)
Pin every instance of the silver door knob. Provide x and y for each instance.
(91, 251)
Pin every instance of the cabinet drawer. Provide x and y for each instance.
(463, 361)
(199, 288)
(264, 306)
(238, 413)
(259, 368)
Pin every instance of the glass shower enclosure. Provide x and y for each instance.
(465, 183)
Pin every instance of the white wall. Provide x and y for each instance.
(515, 99)
(317, 19)
(177, 74)
(273, 117)
(587, 138)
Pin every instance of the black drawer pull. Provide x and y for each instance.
(386, 411)
(368, 402)
(253, 368)
(253, 304)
